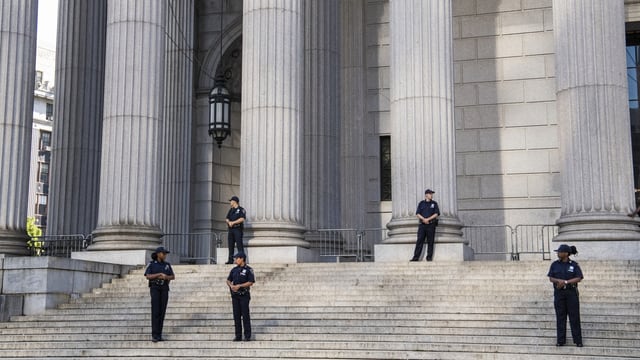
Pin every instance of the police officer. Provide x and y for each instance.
(240, 279)
(565, 274)
(159, 273)
(427, 212)
(235, 222)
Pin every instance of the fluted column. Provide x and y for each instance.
(593, 113)
(77, 126)
(423, 131)
(128, 216)
(272, 127)
(352, 195)
(321, 115)
(176, 132)
(18, 20)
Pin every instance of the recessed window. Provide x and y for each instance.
(385, 168)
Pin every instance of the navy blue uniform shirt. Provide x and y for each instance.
(235, 214)
(427, 208)
(241, 275)
(565, 270)
(156, 267)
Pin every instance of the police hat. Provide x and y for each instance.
(429, 191)
(235, 198)
(564, 248)
(161, 249)
(240, 255)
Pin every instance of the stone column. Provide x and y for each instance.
(321, 116)
(77, 126)
(18, 20)
(595, 141)
(128, 217)
(353, 85)
(175, 168)
(423, 131)
(270, 161)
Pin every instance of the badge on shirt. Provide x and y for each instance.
(433, 205)
(571, 268)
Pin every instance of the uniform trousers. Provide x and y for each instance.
(234, 238)
(159, 300)
(241, 315)
(428, 232)
(566, 302)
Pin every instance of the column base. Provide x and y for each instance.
(441, 252)
(275, 234)
(273, 255)
(13, 243)
(126, 238)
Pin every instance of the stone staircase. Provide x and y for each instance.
(450, 310)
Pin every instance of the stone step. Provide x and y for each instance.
(322, 323)
(331, 350)
(222, 334)
(317, 332)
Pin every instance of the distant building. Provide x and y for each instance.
(41, 137)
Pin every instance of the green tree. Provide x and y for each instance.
(34, 244)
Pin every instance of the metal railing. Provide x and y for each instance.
(503, 242)
(58, 245)
(339, 244)
(194, 247)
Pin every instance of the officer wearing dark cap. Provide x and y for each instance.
(565, 274)
(427, 212)
(159, 273)
(239, 281)
(235, 221)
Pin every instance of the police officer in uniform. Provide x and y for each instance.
(235, 221)
(159, 273)
(427, 212)
(565, 274)
(239, 281)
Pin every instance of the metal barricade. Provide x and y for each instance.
(58, 245)
(503, 242)
(533, 240)
(193, 247)
(490, 242)
(345, 244)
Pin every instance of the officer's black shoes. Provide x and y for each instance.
(229, 262)
(429, 259)
(414, 259)
(154, 340)
(237, 339)
(559, 344)
(247, 338)
(579, 344)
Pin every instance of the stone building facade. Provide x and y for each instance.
(514, 111)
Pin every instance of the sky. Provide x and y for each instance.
(47, 19)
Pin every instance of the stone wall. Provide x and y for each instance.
(30, 285)
(507, 133)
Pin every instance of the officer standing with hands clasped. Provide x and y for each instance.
(427, 212)
(565, 274)
(159, 273)
(240, 279)
(235, 221)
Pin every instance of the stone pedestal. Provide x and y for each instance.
(17, 80)
(442, 252)
(272, 112)
(423, 140)
(595, 141)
